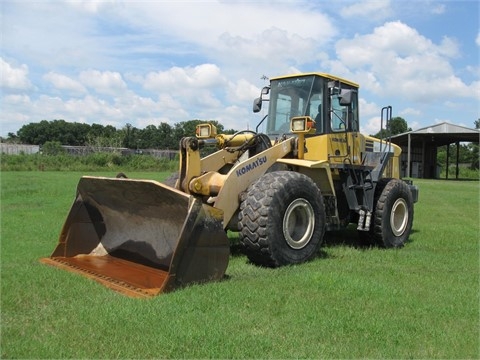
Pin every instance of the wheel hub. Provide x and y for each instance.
(298, 223)
(399, 217)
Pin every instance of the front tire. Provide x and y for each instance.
(282, 219)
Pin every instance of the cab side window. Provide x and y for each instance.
(344, 117)
(338, 114)
(353, 113)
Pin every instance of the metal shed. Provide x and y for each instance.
(419, 147)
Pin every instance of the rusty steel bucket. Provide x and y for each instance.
(141, 237)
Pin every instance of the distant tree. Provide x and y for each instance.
(467, 154)
(146, 137)
(395, 126)
(97, 130)
(33, 133)
(158, 137)
(166, 137)
(56, 130)
(230, 131)
(114, 140)
(130, 136)
(11, 138)
(162, 136)
(75, 133)
(398, 125)
(474, 155)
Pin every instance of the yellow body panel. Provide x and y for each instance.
(318, 171)
(333, 149)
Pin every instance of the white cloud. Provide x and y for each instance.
(16, 100)
(194, 87)
(247, 37)
(176, 78)
(370, 126)
(50, 33)
(12, 119)
(391, 37)
(369, 116)
(410, 111)
(91, 6)
(274, 47)
(106, 82)
(449, 47)
(15, 78)
(294, 19)
(242, 91)
(378, 9)
(368, 109)
(62, 82)
(146, 62)
(401, 62)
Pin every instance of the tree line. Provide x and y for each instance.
(163, 136)
(166, 136)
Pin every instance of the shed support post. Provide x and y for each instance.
(458, 157)
(447, 162)
(408, 156)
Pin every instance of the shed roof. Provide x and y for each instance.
(441, 134)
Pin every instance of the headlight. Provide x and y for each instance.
(298, 124)
(205, 131)
(302, 124)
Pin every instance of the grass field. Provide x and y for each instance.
(421, 301)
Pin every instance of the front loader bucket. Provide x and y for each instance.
(141, 237)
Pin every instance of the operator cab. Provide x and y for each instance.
(330, 101)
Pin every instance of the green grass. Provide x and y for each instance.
(93, 162)
(421, 301)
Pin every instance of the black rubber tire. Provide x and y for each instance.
(393, 214)
(272, 210)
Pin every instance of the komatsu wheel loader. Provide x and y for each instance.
(310, 170)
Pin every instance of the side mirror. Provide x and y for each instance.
(257, 105)
(345, 97)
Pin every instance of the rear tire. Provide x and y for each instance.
(281, 219)
(393, 214)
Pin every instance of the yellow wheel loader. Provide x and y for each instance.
(308, 171)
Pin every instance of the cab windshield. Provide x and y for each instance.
(295, 96)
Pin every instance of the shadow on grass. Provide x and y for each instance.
(345, 237)
(349, 236)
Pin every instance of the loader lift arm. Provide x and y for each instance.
(221, 177)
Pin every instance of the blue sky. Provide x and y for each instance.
(115, 62)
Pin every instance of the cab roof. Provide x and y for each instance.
(324, 75)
